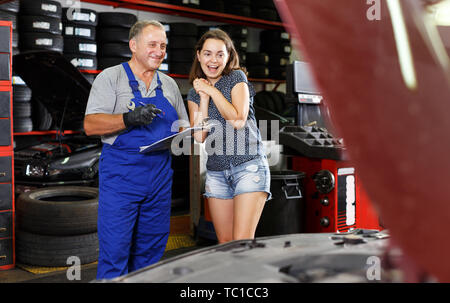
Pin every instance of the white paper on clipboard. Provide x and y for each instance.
(166, 142)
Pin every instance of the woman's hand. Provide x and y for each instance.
(202, 87)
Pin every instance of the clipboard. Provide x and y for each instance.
(165, 143)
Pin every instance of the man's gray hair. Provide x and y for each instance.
(137, 28)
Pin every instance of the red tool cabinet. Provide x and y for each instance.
(7, 255)
(335, 199)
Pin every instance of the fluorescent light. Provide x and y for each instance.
(441, 12)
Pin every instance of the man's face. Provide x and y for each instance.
(149, 47)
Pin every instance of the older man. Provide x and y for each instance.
(131, 105)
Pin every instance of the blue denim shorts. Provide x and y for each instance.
(250, 176)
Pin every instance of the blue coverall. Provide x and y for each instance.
(135, 192)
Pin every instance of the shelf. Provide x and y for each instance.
(188, 12)
(180, 76)
(48, 132)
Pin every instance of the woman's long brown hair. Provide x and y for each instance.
(233, 60)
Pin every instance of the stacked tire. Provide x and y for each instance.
(274, 101)
(165, 65)
(276, 44)
(80, 46)
(40, 26)
(238, 7)
(265, 10)
(22, 108)
(187, 3)
(215, 6)
(112, 36)
(56, 223)
(79, 31)
(239, 35)
(182, 41)
(257, 64)
(271, 105)
(8, 12)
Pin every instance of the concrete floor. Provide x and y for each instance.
(88, 271)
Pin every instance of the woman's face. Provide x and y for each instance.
(213, 58)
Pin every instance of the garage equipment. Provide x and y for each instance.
(334, 197)
(7, 254)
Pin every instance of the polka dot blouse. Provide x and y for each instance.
(225, 145)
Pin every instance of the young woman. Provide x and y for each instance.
(238, 177)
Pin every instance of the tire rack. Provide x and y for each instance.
(194, 13)
(184, 11)
(7, 243)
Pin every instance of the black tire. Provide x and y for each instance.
(284, 48)
(80, 16)
(40, 24)
(241, 45)
(21, 110)
(52, 251)
(254, 58)
(182, 55)
(266, 14)
(116, 49)
(15, 39)
(271, 36)
(242, 58)
(278, 102)
(258, 71)
(241, 2)
(80, 46)
(277, 73)
(125, 20)
(47, 8)
(112, 34)
(278, 60)
(22, 125)
(180, 68)
(42, 120)
(265, 101)
(41, 41)
(105, 62)
(9, 16)
(11, 6)
(183, 3)
(183, 29)
(263, 4)
(176, 42)
(74, 30)
(80, 61)
(235, 31)
(259, 101)
(21, 93)
(237, 9)
(62, 210)
(202, 29)
(216, 6)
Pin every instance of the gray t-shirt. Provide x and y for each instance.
(110, 94)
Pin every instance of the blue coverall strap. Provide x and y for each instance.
(134, 84)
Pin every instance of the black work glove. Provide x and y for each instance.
(141, 115)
